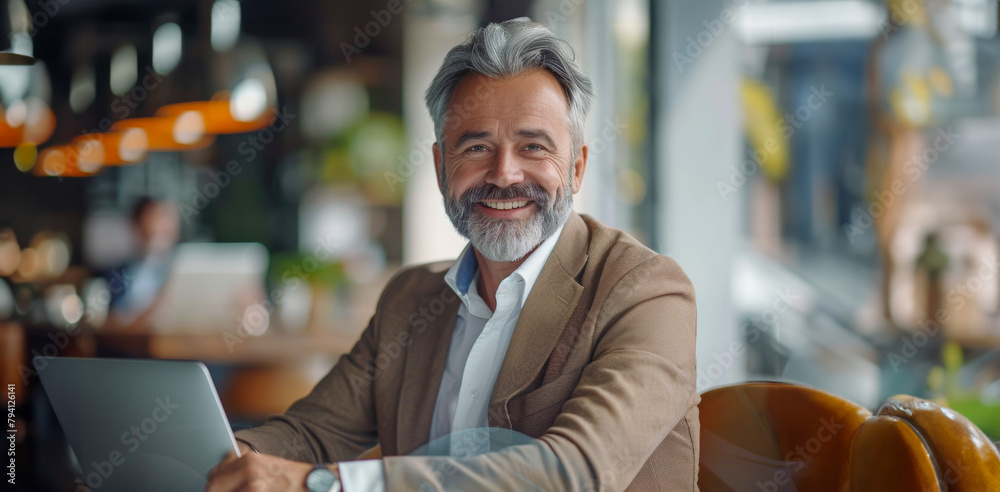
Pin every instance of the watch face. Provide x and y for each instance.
(320, 479)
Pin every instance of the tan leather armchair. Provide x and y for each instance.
(913, 444)
(776, 436)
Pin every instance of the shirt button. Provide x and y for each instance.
(474, 393)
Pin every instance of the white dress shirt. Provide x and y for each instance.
(478, 346)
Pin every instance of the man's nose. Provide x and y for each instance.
(506, 170)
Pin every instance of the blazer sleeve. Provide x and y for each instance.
(638, 385)
(335, 422)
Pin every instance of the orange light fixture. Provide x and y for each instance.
(125, 147)
(40, 125)
(62, 161)
(218, 116)
(10, 136)
(26, 124)
(184, 131)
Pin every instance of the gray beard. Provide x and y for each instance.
(508, 240)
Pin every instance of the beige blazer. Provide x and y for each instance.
(600, 372)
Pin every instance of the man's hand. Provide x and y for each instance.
(258, 473)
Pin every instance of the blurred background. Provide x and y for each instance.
(234, 182)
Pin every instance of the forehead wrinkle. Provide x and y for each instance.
(519, 125)
(513, 105)
(471, 129)
(510, 106)
(466, 136)
(539, 133)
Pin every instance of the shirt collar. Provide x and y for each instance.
(464, 270)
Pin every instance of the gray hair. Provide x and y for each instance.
(504, 50)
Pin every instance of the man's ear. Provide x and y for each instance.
(578, 168)
(437, 164)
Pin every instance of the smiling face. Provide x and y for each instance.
(509, 172)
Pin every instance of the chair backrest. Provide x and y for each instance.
(776, 437)
(779, 437)
(927, 446)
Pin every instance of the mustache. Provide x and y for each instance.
(530, 191)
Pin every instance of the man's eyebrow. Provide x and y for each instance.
(539, 134)
(471, 136)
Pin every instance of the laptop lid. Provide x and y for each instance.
(209, 286)
(139, 424)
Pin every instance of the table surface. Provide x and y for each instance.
(226, 347)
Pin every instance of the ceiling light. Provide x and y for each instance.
(167, 48)
(225, 24)
(124, 69)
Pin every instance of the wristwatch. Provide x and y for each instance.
(321, 479)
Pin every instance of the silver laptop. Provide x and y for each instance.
(139, 424)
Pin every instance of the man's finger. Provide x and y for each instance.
(227, 482)
(215, 470)
(228, 475)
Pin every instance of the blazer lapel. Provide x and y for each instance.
(425, 360)
(543, 318)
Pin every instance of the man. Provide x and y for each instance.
(568, 333)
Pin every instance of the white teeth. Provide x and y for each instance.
(505, 205)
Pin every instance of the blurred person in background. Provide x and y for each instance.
(136, 287)
(571, 336)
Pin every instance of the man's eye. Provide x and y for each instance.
(533, 147)
(477, 148)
